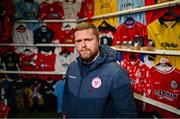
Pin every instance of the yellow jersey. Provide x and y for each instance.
(105, 7)
(166, 36)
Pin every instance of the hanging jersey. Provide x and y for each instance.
(9, 7)
(11, 62)
(27, 10)
(130, 4)
(106, 38)
(152, 15)
(106, 33)
(138, 72)
(166, 37)
(165, 88)
(45, 62)
(129, 33)
(87, 9)
(19, 94)
(58, 91)
(26, 60)
(104, 7)
(43, 35)
(67, 38)
(22, 35)
(51, 10)
(5, 29)
(71, 9)
(56, 28)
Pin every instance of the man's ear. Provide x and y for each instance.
(99, 41)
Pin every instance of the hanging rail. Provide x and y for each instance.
(157, 103)
(48, 21)
(157, 52)
(135, 10)
(34, 72)
(35, 45)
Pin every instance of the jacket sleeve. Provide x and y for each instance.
(122, 95)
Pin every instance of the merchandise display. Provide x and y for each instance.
(37, 45)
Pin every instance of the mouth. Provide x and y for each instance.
(84, 50)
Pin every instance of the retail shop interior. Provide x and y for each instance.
(37, 45)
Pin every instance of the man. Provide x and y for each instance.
(96, 86)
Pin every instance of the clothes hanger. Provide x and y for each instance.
(163, 63)
(169, 15)
(43, 27)
(21, 27)
(129, 21)
(132, 56)
(106, 26)
(29, 1)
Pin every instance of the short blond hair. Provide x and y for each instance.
(87, 25)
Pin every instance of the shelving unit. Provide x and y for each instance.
(157, 52)
(36, 45)
(34, 72)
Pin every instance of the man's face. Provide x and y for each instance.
(87, 44)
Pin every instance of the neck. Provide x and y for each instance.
(90, 61)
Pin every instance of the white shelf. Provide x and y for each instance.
(47, 21)
(157, 104)
(35, 45)
(34, 72)
(158, 52)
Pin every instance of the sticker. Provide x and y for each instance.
(96, 82)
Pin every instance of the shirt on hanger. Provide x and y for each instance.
(165, 37)
(105, 7)
(165, 88)
(128, 5)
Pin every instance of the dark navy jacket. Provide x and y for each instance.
(97, 90)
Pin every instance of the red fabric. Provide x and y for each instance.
(5, 34)
(56, 27)
(125, 33)
(87, 9)
(138, 72)
(9, 7)
(25, 64)
(165, 88)
(67, 37)
(4, 110)
(51, 11)
(155, 14)
(45, 62)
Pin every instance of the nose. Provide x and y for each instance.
(83, 43)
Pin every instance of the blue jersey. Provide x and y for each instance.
(130, 4)
(58, 91)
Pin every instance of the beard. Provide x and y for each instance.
(88, 55)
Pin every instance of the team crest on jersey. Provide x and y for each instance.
(96, 82)
(174, 84)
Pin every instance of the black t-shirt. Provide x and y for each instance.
(43, 35)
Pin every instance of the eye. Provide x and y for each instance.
(88, 39)
(78, 41)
